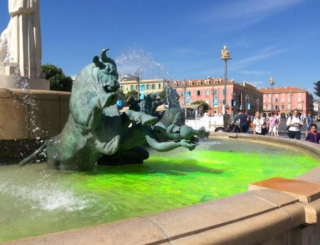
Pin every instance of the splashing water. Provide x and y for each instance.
(136, 57)
(44, 193)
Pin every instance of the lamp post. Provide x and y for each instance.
(258, 102)
(302, 101)
(247, 98)
(138, 73)
(225, 55)
(234, 103)
(184, 86)
(271, 83)
(290, 94)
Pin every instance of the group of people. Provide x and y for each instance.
(263, 125)
(295, 123)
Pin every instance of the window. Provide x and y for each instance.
(199, 82)
(276, 100)
(137, 87)
(224, 91)
(207, 92)
(198, 93)
(190, 82)
(132, 87)
(153, 86)
(282, 107)
(181, 93)
(159, 86)
(276, 107)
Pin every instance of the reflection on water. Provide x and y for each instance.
(35, 200)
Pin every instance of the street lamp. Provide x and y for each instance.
(225, 55)
(247, 98)
(184, 85)
(209, 80)
(138, 73)
(271, 83)
(234, 103)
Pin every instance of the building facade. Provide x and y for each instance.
(130, 83)
(285, 99)
(243, 96)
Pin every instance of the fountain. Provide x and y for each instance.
(56, 201)
(181, 197)
(50, 201)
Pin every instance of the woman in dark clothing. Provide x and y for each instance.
(313, 136)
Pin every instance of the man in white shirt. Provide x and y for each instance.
(294, 123)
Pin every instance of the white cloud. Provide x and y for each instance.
(263, 54)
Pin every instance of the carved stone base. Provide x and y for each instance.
(24, 83)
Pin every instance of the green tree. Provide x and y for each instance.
(132, 93)
(58, 80)
(201, 102)
(163, 94)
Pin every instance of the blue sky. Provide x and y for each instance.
(178, 39)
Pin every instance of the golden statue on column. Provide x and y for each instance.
(225, 54)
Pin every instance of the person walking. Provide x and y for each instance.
(264, 116)
(308, 122)
(236, 122)
(259, 124)
(243, 122)
(313, 136)
(294, 124)
(273, 124)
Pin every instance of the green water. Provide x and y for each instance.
(34, 200)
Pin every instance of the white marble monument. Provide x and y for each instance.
(20, 47)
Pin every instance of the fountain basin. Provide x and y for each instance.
(273, 213)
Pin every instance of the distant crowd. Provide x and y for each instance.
(263, 124)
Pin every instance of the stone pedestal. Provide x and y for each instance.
(10, 79)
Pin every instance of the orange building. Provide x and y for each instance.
(244, 96)
(285, 99)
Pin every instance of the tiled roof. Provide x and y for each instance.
(277, 90)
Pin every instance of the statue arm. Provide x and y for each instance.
(168, 146)
(163, 146)
(17, 7)
(89, 113)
